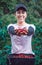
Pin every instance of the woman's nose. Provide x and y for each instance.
(21, 14)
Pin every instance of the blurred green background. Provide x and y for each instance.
(7, 8)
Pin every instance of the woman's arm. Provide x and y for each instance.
(10, 29)
(31, 30)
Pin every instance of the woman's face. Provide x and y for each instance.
(21, 15)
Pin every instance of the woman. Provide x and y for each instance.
(21, 37)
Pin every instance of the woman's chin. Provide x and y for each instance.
(21, 20)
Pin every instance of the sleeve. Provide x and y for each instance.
(33, 26)
(9, 26)
(10, 29)
(31, 30)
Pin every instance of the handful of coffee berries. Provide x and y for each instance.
(21, 31)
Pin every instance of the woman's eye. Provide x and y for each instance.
(23, 12)
(20, 12)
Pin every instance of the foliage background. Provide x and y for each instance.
(7, 8)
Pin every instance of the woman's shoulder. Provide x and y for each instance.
(33, 26)
(11, 25)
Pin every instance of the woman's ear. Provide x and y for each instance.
(26, 15)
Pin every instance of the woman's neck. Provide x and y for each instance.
(21, 23)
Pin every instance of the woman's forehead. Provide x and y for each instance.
(22, 9)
